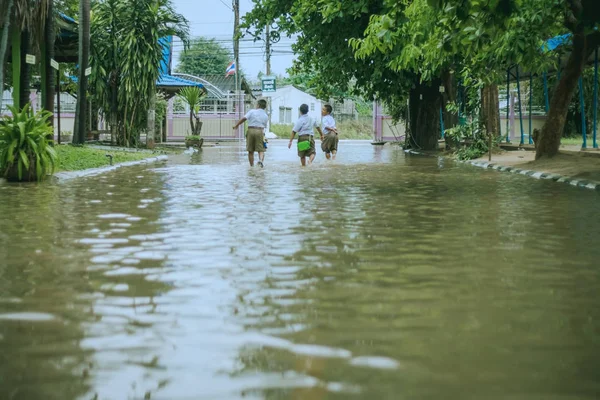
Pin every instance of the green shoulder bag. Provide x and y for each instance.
(303, 146)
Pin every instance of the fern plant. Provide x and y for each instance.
(25, 151)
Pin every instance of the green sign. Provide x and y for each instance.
(269, 84)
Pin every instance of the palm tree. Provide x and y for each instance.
(28, 19)
(6, 7)
(126, 58)
(84, 53)
(48, 54)
(193, 96)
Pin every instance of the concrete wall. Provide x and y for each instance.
(384, 128)
(213, 127)
(537, 121)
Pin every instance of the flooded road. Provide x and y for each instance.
(378, 276)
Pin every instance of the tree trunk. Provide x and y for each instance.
(424, 115)
(490, 110)
(552, 130)
(151, 123)
(84, 52)
(50, 81)
(25, 77)
(449, 96)
(114, 109)
(94, 115)
(4, 45)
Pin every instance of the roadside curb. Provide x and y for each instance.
(582, 183)
(62, 176)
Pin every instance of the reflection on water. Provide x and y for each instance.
(377, 276)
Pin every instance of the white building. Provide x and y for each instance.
(285, 104)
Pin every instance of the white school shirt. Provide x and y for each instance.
(257, 118)
(328, 124)
(305, 125)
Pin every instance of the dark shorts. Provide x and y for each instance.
(255, 140)
(330, 143)
(311, 150)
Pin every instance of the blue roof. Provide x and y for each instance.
(165, 63)
(166, 81)
(173, 81)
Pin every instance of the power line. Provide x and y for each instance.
(226, 5)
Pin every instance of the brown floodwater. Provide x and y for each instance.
(381, 275)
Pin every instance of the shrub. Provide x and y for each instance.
(25, 150)
(193, 137)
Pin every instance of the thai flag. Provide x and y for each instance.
(230, 69)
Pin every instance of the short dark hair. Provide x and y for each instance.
(328, 108)
(262, 103)
(304, 109)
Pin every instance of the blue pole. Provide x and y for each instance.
(595, 97)
(520, 108)
(546, 98)
(507, 105)
(583, 128)
(442, 122)
(530, 105)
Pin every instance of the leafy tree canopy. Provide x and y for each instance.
(68, 7)
(325, 59)
(126, 56)
(204, 57)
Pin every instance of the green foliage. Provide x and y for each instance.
(392, 49)
(72, 158)
(126, 57)
(360, 129)
(24, 145)
(68, 7)
(469, 139)
(350, 130)
(204, 57)
(193, 137)
(160, 108)
(282, 131)
(192, 96)
(325, 61)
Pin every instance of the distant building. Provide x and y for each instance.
(285, 104)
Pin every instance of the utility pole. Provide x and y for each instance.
(268, 54)
(236, 55)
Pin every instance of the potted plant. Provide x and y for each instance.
(66, 136)
(194, 141)
(192, 96)
(25, 150)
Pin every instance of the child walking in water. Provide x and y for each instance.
(304, 127)
(329, 144)
(255, 135)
